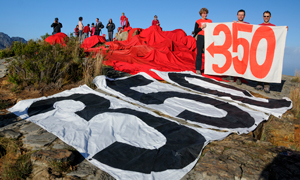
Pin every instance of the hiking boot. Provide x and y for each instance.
(238, 81)
(267, 88)
(228, 78)
(259, 87)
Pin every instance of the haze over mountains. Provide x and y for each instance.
(6, 41)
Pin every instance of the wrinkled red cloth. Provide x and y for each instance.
(58, 38)
(92, 41)
(153, 48)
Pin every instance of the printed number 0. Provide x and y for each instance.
(261, 71)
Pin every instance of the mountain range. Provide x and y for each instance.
(6, 41)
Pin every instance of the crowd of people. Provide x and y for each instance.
(83, 32)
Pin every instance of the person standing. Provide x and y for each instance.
(86, 31)
(56, 26)
(92, 32)
(110, 28)
(240, 16)
(76, 31)
(155, 21)
(80, 27)
(98, 27)
(199, 30)
(264, 85)
(123, 19)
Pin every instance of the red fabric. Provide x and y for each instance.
(127, 26)
(152, 49)
(269, 24)
(154, 23)
(92, 41)
(200, 22)
(132, 31)
(86, 29)
(58, 38)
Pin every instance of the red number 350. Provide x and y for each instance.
(240, 66)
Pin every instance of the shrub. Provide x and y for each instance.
(295, 97)
(296, 78)
(13, 163)
(40, 63)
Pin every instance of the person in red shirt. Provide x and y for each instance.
(199, 30)
(86, 31)
(76, 31)
(123, 19)
(240, 16)
(92, 32)
(261, 85)
(267, 17)
(155, 22)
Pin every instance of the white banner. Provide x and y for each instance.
(245, 50)
(126, 141)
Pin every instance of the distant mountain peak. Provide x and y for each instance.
(6, 41)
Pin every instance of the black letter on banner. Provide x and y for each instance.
(235, 118)
(182, 147)
(180, 79)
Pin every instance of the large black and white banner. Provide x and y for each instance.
(124, 140)
(201, 109)
(200, 84)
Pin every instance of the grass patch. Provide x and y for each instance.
(295, 97)
(14, 163)
(296, 78)
(60, 167)
(4, 104)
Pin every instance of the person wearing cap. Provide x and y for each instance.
(56, 26)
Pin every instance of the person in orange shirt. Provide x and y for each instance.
(199, 30)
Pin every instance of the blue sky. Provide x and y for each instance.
(32, 18)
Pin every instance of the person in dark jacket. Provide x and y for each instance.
(56, 26)
(110, 28)
(98, 27)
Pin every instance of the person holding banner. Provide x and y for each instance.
(199, 31)
(241, 16)
(260, 85)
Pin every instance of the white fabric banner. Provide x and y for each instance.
(126, 141)
(200, 84)
(244, 50)
(200, 109)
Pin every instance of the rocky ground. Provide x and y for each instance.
(269, 152)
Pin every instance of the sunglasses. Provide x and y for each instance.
(266, 16)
